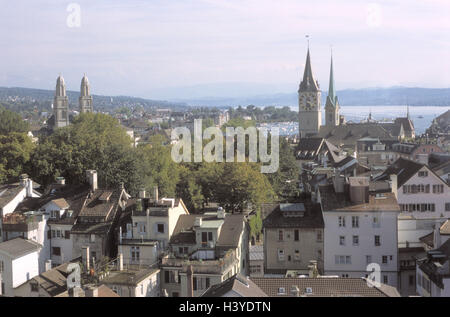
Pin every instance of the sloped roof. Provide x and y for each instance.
(19, 247)
(324, 287)
(312, 218)
(239, 284)
(403, 168)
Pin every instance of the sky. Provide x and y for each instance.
(174, 49)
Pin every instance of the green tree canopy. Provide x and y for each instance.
(15, 153)
(11, 122)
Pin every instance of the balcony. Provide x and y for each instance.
(217, 266)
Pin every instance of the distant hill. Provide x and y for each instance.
(44, 98)
(348, 97)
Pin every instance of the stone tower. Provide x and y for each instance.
(310, 116)
(61, 104)
(85, 96)
(332, 104)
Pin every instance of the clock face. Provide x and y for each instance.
(308, 102)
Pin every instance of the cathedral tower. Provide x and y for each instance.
(332, 104)
(85, 96)
(310, 116)
(61, 104)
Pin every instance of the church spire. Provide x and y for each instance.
(308, 83)
(85, 88)
(331, 90)
(60, 87)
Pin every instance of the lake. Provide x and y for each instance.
(359, 113)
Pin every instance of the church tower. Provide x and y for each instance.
(310, 116)
(332, 104)
(61, 104)
(85, 96)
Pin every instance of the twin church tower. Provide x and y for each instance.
(61, 101)
(309, 103)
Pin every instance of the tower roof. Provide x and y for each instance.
(331, 89)
(60, 87)
(85, 87)
(308, 83)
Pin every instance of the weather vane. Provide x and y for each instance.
(307, 38)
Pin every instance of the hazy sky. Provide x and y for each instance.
(191, 48)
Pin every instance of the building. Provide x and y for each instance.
(19, 262)
(256, 260)
(310, 115)
(433, 272)
(420, 192)
(60, 105)
(97, 223)
(360, 229)
(235, 286)
(85, 100)
(213, 245)
(293, 236)
(323, 287)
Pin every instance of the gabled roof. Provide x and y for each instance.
(19, 247)
(240, 285)
(312, 218)
(323, 287)
(403, 168)
(53, 281)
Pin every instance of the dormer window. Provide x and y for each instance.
(281, 291)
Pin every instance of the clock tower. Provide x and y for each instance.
(310, 116)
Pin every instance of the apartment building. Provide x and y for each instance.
(293, 236)
(360, 230)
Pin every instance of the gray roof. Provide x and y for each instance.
(239, 284)
(308, 215)
(323, 287)
(19, 247)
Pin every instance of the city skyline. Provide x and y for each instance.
(206, 48)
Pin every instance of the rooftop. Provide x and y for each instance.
(238, 284)
(19, 247)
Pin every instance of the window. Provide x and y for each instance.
(135, 253)
(355, 222)
(355, 240)
(384, 259)
(142, 289)
(92, 238)
(194, 282)
(447, 206)
(368, 259)
(341, 221)
(296, 255)
(438, 189)
(319, 236)
(142, 228)
(67, 234)
(53, 233)
(377, 241)
(280, 235)
(210, 236)
(411, 280)
(160, 228)
(296, 235)
(280, 255)
(58, 233)
(385, 279)
(423, 174)
(281, 291)
(343, 259)
(319, 254)
(34, 287)
(2, 266)
(56, 251)
(342, 240)
(375, 222)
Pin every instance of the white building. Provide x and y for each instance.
(19, 262)
(360, 230)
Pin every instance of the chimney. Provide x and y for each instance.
(198, 222)
(23, 179)
(295, 291)
(155, 193)
(394, 184)
(91, 291)
(190, 281)
(359, 189)
(29, 187)
(60, 180)
(437, 235)
(313, 272)
(120, 261)
(74, 291)
(142, 193)
(85, 257)
(338, 182)
(48, 265)
(92, 179)
(220, 213)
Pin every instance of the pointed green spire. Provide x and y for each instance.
(331, 90)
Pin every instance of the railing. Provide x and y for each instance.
(217, 266)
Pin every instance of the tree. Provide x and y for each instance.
(11, 122)
(15, 153)
(93, 141)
